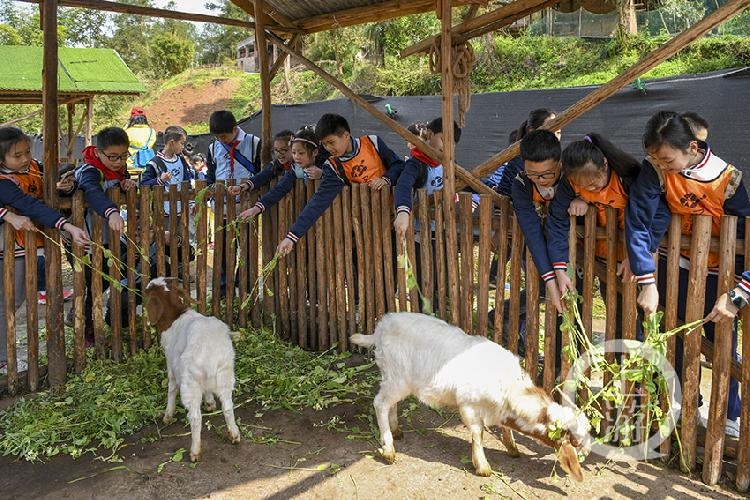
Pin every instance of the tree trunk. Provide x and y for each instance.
(628, 21)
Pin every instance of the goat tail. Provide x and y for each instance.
(363, 340)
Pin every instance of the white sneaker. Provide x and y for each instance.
(732, 428)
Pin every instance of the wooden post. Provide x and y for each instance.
(501, 239)
(714, 444)
(70, 109)
(89, 120)
(514, 312)
(265, 82)
(54, 319)
(144, 214)
(485, 231)
(743, 457)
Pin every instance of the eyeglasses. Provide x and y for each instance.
(550, 174)
(116, 158)
(281, 151)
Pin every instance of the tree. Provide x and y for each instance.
(218, 41)
(171, 54)
(83, 27)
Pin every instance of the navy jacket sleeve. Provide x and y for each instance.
(558, 225)
(509, 173)
(394, 165)
(150, 176)
(281, 189)
(645, 201)
(402, 194)
(329, 188)
(264, 177)
(531, 225)
(33, 208)
(210, 165)
(89, 181)
(745, 282)
(738, 204)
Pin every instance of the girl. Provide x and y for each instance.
(683, 171)
(281, 164)
(304, 147)
(21, 189)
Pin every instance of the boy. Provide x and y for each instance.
(365, 159)
(420, 171)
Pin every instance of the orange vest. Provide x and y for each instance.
(364, 166)
(31, 184)
(687, 197)
(613, 195)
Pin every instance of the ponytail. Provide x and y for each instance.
(586, 157)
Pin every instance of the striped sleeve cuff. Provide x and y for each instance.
(388, 180)
(548, 276)
(260, 205)
(744, 285)
(110, 211)
(403, 208)
(249, 184)
(3, 211)
(292, 237)
(61, 222)
(159, 181)
(646, 279)
(560, 266)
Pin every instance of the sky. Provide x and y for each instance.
(191, 6)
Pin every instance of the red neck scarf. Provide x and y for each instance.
(232, 146)
(90, 157)
(418, 155)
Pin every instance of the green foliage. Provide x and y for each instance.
(171, 54)
(219, 42)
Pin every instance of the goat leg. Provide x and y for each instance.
(171, 400)
(396, 431)
(191, 400)
(476, 427)
(506, 435)
(382, 412)
(227, 408)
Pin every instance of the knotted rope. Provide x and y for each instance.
(462, 62)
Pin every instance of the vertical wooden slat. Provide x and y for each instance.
(32, 313)
(743, 455)
(514, 320)
(485, 231)
(159, 239)
(230, 247)
(722, 359)
(532, 317)
(302, 275)
(550, 345)
(573, 263)
(425, 255)
(174, 227)
(269, 242)
(146, 226)
(467, 261)
(377, 252)
(9, 294)
(185, 216)
(291, 281)
(79, 287)
(501, 239)
(386, 228)
(312, 276)
(346, 197)
(115, 297)
(284, 266)
(132, 231)
(339, 276)
(329, 254)
(699, 244)
(629, 320)
(97, 233)
(322, 295)
(242, 262)
(411, 253)
(610, 304)
(401, 269)
(439, 257)
(369, 275)
(252, 261)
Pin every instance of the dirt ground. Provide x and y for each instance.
(191, 103)
(308, 459)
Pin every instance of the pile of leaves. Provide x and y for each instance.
(98, 409)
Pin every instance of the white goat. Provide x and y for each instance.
(438, 363)
(200, 358)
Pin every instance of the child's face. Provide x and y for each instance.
(542, 173)
(671, 160)
(282, 151)
(300, 155)
(338, 145)
(434, 139)
(18, 156)
(227, 137)
(198, 164)
(176, 146)
(113, 157)
(592, 178)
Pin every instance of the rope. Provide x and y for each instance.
(462, 62)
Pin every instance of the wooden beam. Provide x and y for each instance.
(270, 21)
(649, 61)
(498, 17)
(121, 8)
(464, 175)
(265, 84)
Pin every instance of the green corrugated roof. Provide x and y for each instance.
(87, 71)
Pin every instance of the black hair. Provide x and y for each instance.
(112, 136)
(64, 168)
(667, 127)
(174, 133)
(331, 124)
(308, 137)
(436, 127)
(197, 157)
(9, 137)
(695, 121)
(540, 145)
(137, 120)
(416, 128)
(222, 122)
(535, 120)
(284, 135)
(513, 136)
(579, 157)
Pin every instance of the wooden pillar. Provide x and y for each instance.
(71, 111)
(54, 318)
(89, 120)
(261, 50)
(449, 158)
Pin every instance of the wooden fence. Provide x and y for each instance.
(345, 274)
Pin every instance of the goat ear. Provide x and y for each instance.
(154, 308)
(569, 461)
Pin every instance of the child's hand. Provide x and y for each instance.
(285, 247)
(623, 270)
(19, 222)
(314, 173)
(249, 213)
(234, 190)
(648, 299)
(564, 282)
(66, 184)
(79, 235)
(165, 176)
(127, 185)
(401, 224)
(378, 183)
(115, 222)
(723, 310)
(578, 207)
(553, 295)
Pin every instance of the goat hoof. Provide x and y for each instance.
(397, 434)
(389, 456)
(168, 419)
(234, 438)
(484, 471)
(211, 406)
(194, 457)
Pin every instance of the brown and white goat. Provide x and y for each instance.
(200, 357)
(442, 366)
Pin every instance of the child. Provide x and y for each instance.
(104, 167)
(366, 159)
(22, 190)
(420, 171)
(304, 149)
(502, 178)
(198, 162)
(683, 172)
(233, 155)
(280, 165)
(141, 139)
(418, 129)
(729, 304)
(698, 125)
